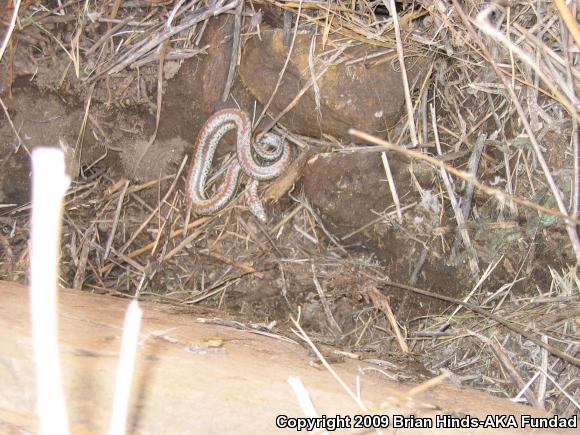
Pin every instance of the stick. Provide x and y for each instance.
(390, 5)
(553, 350)
(499, 194)
(49, 186)
(10, 28)
(235, 51)
(126, 368)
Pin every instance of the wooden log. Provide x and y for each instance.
(194, 377)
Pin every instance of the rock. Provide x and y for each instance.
(370, 98)
(42, 120)
(194, 94)
(162, 156)
(346, 188)
(350, 190)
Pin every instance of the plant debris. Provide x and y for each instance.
(492, 229)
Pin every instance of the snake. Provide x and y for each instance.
(262, 158)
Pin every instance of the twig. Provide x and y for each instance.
(128, 356)
(83, 258)
(381, 302)
(570, 227)
(182, 245)
(553, 350)
(569, 20)
(162, 52)
(382, 218)
(541, 390)
(303, 397)
(115, 220)
(472, 167)
(569, 396)
(390, 5)
(135, 52)
(7, 114)
(235, 50)
(471, 253)
(8, 255)
(10, 28)
(575, 130)
(307, 339)
(490, 268)
(108, 34)
(430, 383)
(49, 185)
(287, 217)
(267, 105)
(246, 267)
(499, 194)
(508, 365)
(152, 214)
(392, 186)
(335, 327)
(331, 237)
(305, 88)
(418, 266)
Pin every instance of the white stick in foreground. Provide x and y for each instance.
(49, 184)
(126, 368)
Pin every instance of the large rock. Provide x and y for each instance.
(370, 98)
(194, 94)
(350, 191)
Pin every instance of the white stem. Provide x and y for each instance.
(126, 368)
(48, 189)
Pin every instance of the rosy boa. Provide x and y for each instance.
(269, 148)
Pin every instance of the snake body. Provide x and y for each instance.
(263, 159)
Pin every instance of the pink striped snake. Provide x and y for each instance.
(270, 148)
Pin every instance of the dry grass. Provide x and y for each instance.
(503, 84)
